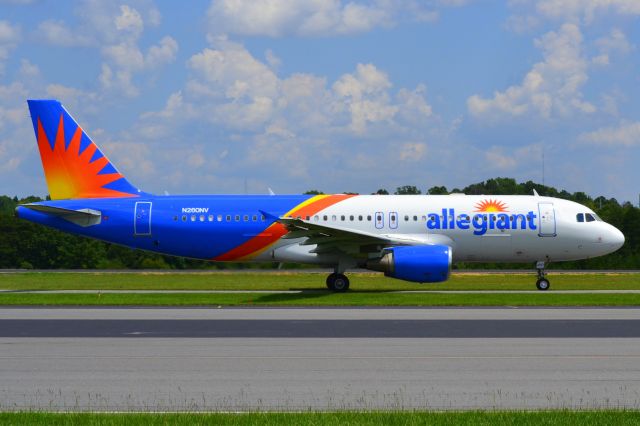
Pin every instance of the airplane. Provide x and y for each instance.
(414, 238)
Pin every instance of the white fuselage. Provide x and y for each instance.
(481, 228)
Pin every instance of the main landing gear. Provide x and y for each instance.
(543, 283)
(338, 282)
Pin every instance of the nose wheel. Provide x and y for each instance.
(543, 283)
(338, 282)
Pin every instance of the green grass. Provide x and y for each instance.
(321, 298)
(302, 281)
(367, 290)
(521, 418)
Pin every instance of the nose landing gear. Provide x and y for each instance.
(543, 283)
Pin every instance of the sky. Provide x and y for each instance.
(235, 96)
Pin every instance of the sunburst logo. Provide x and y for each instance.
(491, 206)
(74, 174)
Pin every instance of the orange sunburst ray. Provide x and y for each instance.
(71, 174)
(491, 205)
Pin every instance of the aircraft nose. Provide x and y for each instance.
(616, 238)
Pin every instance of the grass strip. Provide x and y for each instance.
(321, 298)
(302, 281)
(521, 418)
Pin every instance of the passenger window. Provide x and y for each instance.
(316, 218)
(351, 218)
(589, 218)
(325, 218)
(175, 218)
(333, 218)
(228, 218)
(415, 218)
(201, 218)
(210, 218)
(406, 218)
(360, 218)
(184, 218)
(219, 218)
(307, 218)
(424, 218)
(246, 217)
(193, 218)
(237, 218)
(262, 218)
(342, 218)
(254, 218)
(369, 218)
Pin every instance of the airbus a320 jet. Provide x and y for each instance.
(410, 237)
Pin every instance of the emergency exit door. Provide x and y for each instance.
(546, 220)
(142, 219)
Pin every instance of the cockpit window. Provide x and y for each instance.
(580, 217)
(597, 217)
(589, 217)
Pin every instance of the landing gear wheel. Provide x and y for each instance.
(543, 284)
(338, 283)
(330, 280)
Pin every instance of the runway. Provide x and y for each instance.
(297, 359)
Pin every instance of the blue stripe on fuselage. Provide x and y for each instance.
(169, 233)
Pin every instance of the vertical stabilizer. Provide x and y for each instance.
(73, 165)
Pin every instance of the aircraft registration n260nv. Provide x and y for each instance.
(409, 237)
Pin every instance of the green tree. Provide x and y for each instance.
(407, 190)
(437, 190)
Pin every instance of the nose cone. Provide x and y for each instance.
(615, 238)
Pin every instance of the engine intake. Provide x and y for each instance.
(422, 264)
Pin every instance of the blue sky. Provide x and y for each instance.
(327, 94)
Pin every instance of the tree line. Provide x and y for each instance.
(25, 245)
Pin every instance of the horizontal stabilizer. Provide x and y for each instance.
(81, 217)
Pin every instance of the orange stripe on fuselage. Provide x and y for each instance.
(275, 231)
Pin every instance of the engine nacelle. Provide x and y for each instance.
(422, 264)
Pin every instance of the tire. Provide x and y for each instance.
(330, 280)
(340, 283)
(543, 284)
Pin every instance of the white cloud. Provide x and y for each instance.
(58, 34)
(412, 151)
(521, 24)
(117, 31)
(626, 134)
(230, 71)
(27, 69)
(278, 17)
(500, 159)
(245, 92)
(586, 10)
(552, 87)
(365, 96)
(290, 124)
(275, 18)
(9, 37)
(129, 20)
(614, 43)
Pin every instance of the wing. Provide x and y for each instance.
(330, 239)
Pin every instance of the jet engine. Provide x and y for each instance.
(422, 264)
